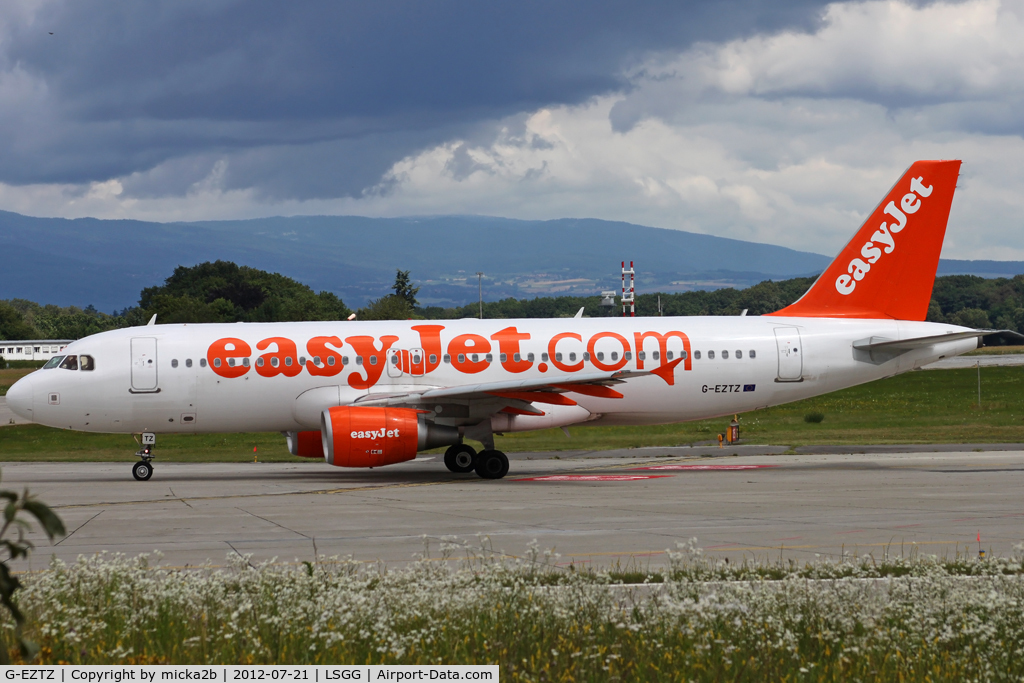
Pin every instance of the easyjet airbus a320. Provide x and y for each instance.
(367, 394)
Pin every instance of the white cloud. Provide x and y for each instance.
(789, 139)
(943, 50)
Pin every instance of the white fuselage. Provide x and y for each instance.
(163, 379)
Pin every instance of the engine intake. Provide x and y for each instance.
(356, 436)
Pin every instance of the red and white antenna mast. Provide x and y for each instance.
(628, 298)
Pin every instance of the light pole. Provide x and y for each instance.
(480, 285)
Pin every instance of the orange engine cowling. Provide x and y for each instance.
(356, 436)
(305, 444)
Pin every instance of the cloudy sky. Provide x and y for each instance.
(781, 122)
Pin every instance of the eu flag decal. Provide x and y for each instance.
(748, 387)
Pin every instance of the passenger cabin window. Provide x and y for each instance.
(544, 357)
(752, 354)
(447, 358)
(711, 355)
(683, 355)
(330, 360)
(188, 362)
(696, 355)
(53, 362)
(668, 355)
(174, 362)
(202, 362)
(739, 354)
(433, 358)
(725, 355)
(529, 357)
(70, 363)
(641, 355)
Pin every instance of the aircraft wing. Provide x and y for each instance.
(539, 390)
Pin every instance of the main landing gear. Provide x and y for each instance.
(488, 464)
(143, 469)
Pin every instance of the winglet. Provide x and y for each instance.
(667, 371)
(888, 268)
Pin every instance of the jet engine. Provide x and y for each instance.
(305, 444)
(356, 436)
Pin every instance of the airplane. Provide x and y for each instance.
(374, 393)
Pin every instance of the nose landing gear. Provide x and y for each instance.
(143, 469)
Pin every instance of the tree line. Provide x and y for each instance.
(222, 291)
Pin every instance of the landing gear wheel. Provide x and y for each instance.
(491, 464)
(142, 471)
(460, 458)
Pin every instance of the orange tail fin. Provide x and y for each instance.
(888, 268)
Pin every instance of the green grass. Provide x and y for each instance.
(930, 406)
(927, 406)
(11, 375)
(44, 444)
(995, 351)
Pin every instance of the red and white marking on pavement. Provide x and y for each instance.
(595, 477)
(703, 467)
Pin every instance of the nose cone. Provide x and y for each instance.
(19, 398)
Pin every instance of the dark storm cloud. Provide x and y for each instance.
(312, 98)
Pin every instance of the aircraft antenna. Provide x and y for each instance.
(630, 297)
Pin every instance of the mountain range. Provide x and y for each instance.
(106, 263)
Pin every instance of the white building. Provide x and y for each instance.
(32, 349)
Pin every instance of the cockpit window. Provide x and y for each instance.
(87, 363)
(70, 363)
(53, 362)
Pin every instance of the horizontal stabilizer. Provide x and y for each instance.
(901, 345)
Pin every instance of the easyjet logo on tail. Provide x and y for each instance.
(884, 239)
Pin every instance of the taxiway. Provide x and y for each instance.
(606, 508)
